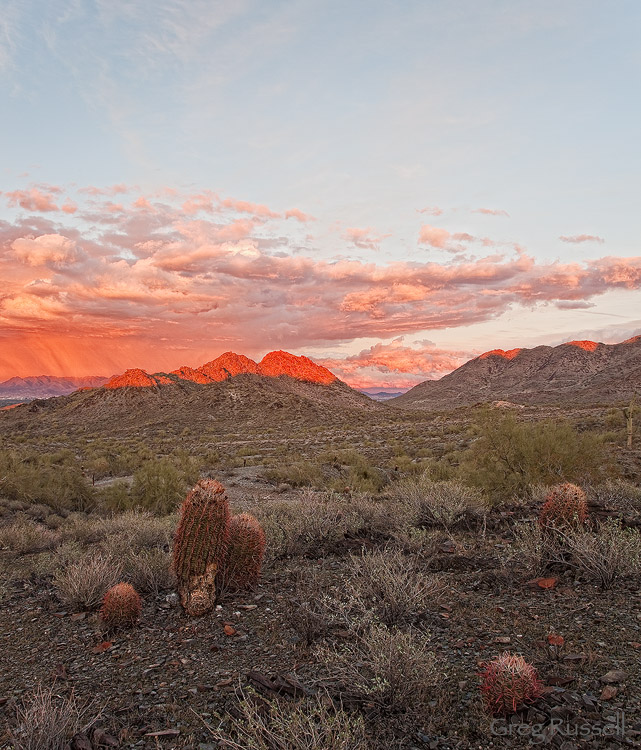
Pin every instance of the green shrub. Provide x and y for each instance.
(160, 485)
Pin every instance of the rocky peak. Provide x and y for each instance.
(302, 368)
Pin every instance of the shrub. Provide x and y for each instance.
(160, 484)
(565, 506)
(48, 722)
(244, 556)
(606, 555)
(149, 571)
(312, 724)
(82, 583)
(120, 606)
(508, 456)
(444, 504)
(311, 606)
(297, 474)
(397, 669)
(25, 537)
(200, 545)
(388, 584)
(508, 683)
(532, 551)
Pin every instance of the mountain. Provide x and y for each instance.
(45, 386)
(585, 372)
(379, 395)
(227, 394)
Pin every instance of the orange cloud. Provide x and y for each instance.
(32, 200)
(364, 238)
(431, 210)
(434, 236)
(577, 238)
(491, 211)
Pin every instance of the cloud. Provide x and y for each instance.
(364, 238)
(394, 364)
(295, 213)
(577, 238)
(46, 249)
(172, 288)
(434, 236)
(33, 200)
(490, 211)
(430, 210)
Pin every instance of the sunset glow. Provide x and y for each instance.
(319, 185)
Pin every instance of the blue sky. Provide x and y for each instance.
(359, 114)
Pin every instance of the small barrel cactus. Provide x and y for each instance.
(245, 551)
(565, 505)
(120, 606)
(200, 545)
(508, 683)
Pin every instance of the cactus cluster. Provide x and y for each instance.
(120, 606)
(245, 551)
(565, 506)
(509, 683)
(212, 549)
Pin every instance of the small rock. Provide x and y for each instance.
(81, 742)
(614, 675)
(608, 692)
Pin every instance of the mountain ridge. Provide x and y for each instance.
(575, 371)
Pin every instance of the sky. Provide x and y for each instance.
(388, 188)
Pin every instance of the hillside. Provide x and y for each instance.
(137, 401)
(578, 372)
(45, 386)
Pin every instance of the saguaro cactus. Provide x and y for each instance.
(200, 545)
(245, 551)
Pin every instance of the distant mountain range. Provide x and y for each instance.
(45, 386)
(379, 395)
(573, 373)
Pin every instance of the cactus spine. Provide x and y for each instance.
(508, 683)
(120, 606)
(565, 505)
(200, 545)
(245, 552)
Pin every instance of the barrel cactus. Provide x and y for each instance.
(565, 505)
(509, 683)
(245, 551)
(200, 545)
(120, 606)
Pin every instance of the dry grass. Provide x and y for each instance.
(533, 550)
(26, 537)
(389, 587)
(47, 721)
(82, 583)
(314, 724)
(149, 571)
(395, 669)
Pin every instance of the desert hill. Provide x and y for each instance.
(578, 372)
(230, 392)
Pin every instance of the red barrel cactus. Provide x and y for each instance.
(120, 606)
(565, 506)
(245, 551)
(200, 545)
(508, 683)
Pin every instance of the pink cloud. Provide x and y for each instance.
(430, 210)
(491, 211)
(577, 238)
(364, 238)
(257, 209)
(295, 213)
(434, 236)
(46, 249)
(32, 200)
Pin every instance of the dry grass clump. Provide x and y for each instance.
(447, 504)
(82, 583)
(607, 555)
(533, 550)
(619, 495)
(149, 570)
(395, 669)
(312, 724)
(312, 604)
(47, 721)
(389, 587)
(138, 530)
(26, 537)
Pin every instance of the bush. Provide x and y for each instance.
(83, 583)
(446, 504)
(508, 456)
(532, 551)
(388, 585)
(606, 555)
(149, 571)
(297, 474)
(160, 485)
(313, 724)
(396, 669)
(25, 537)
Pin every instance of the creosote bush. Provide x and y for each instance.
(509, 683)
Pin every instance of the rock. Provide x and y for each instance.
(81, 742)
(608, 692)
(614, 675)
